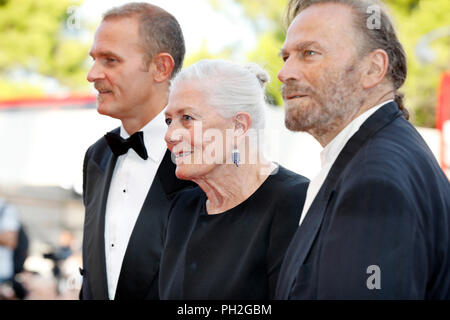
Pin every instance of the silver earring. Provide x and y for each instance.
(236, 156)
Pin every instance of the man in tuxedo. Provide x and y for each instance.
(128, 176)
(376, 220)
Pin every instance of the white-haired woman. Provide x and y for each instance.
(226, 238)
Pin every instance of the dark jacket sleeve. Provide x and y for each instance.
(84, 291)
(85, 163)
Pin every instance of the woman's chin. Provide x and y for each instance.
(182, 172)
(191, 171)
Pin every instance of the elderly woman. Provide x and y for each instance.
(227, 237)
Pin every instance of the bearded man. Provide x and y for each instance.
(376, 220)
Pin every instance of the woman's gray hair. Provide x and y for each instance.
(229, 87)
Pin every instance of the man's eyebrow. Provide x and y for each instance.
(106, 53)
(301, 46)
(305, 44)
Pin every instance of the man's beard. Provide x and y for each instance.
(326, 108)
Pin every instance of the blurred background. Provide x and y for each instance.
(48, 116)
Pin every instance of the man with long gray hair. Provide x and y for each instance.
(128, 176)
(376, 220)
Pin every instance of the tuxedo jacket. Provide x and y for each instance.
(379, 226)
(139, 274)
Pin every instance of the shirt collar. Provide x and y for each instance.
(329, 154)
(154, 132)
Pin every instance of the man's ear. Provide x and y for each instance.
(376, 67)
(163, 67)
(242, 122)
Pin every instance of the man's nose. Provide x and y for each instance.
(95, 73)
(289, 71)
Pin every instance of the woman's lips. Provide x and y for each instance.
(183, 154)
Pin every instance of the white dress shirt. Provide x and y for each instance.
(130, 184)
(330, 153)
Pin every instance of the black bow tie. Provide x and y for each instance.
(120, 146)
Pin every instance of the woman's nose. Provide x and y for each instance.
(173, 137)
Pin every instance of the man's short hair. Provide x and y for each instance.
(159, 30)
(381, 35)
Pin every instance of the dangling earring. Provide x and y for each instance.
(236, 156)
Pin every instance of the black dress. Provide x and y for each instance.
(236, 254)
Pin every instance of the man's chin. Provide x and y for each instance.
(293, 125)
(101, 109)
(296, 117)
(106, 109)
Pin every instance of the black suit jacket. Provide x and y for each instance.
(384, 203)
(139, 274)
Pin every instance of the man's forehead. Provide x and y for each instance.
(113, 38)
(123, 30)
(320, 22)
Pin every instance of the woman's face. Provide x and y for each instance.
(197, 133)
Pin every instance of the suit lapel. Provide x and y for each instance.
(96, 254)
(140, 267)
(169, 181)
(304, 238)
(302, 242)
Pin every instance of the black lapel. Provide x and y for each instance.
(96, 255)
(140, 267)
(307, 232)
(169, 181)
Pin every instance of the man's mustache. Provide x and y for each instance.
(100, 86)
(292, 88)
